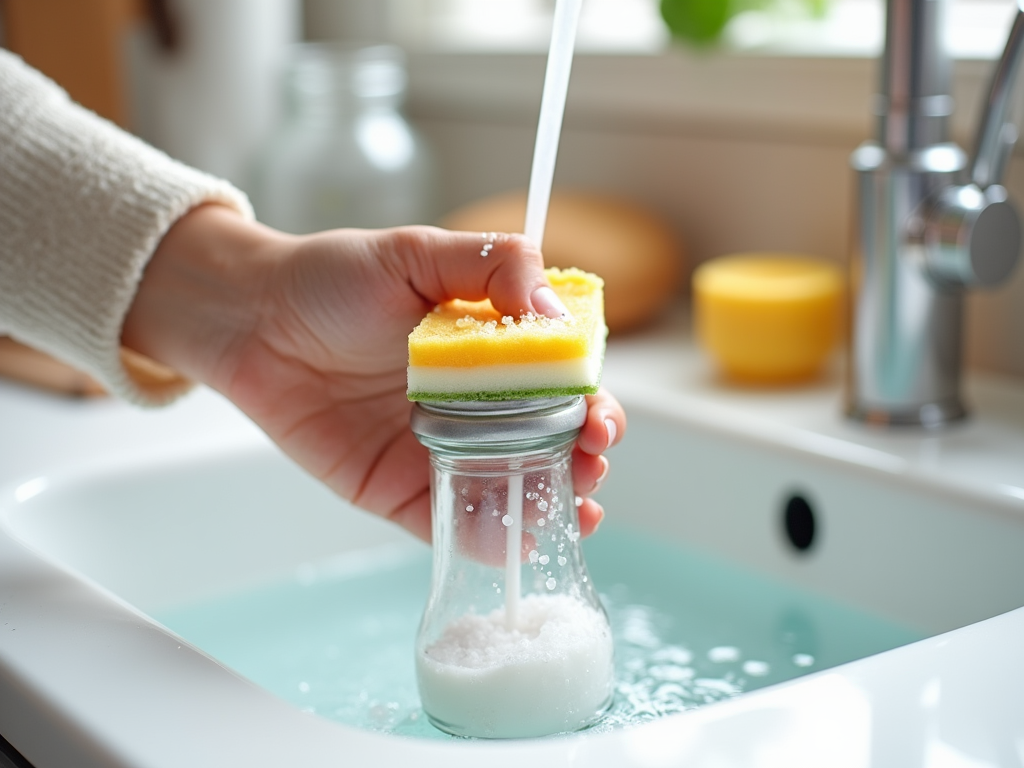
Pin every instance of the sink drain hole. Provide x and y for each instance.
(799, 522)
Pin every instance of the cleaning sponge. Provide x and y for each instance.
(465, 350)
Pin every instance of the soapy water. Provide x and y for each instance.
(689, 630)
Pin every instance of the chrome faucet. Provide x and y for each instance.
(930, 225)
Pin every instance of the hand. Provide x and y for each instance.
(308, 337)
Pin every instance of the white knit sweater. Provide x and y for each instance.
(83, 206)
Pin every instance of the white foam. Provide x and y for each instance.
(551, 674)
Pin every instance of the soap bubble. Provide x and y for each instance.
(724, 653)
(756, 668)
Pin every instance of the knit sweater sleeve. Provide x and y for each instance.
(83, 206)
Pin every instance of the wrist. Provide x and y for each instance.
(201, 295)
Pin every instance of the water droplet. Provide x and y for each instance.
(507, 520)
(550, 583)
(304, 687)
(540, 486)
(541, 522)
(534, 557)
(469, 507)
(542, 505)
(544, 559)
(562, 560)
(803, 659)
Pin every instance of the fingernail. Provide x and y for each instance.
(547, 303)
(609, 424)
(604, 473)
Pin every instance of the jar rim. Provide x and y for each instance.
(503, 421)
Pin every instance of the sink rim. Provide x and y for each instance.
(239, 708)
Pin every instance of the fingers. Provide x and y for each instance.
(604, 427)
(588, 472)
(605, 424)
(443, 265)
(591, 514)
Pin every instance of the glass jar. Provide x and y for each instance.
(514, 641)
(344, 156)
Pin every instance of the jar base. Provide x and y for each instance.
(463, 733)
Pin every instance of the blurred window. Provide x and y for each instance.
(976, 29)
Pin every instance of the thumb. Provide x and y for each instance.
(505, 268)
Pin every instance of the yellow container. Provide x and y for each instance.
(768, 318)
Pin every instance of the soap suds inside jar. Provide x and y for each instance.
(551, 673)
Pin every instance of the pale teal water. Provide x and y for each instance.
(689, 630)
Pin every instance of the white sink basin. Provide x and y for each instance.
(109, 515)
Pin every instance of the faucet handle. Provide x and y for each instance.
(972, 233)
(996, 136)
(972, 236)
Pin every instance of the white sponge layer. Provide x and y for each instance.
(494, 378)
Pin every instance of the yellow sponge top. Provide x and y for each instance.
(465, 350)
(467, 334)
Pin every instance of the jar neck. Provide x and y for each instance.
(327, 82)
(500, 458)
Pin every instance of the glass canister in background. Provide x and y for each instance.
(343, 155)
(514, 641)
(207, 94)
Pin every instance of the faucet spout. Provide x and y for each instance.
(922, 236)
(996, 135)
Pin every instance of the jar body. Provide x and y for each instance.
(344, 155)
(514, 641)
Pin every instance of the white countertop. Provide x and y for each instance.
(982, 457)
